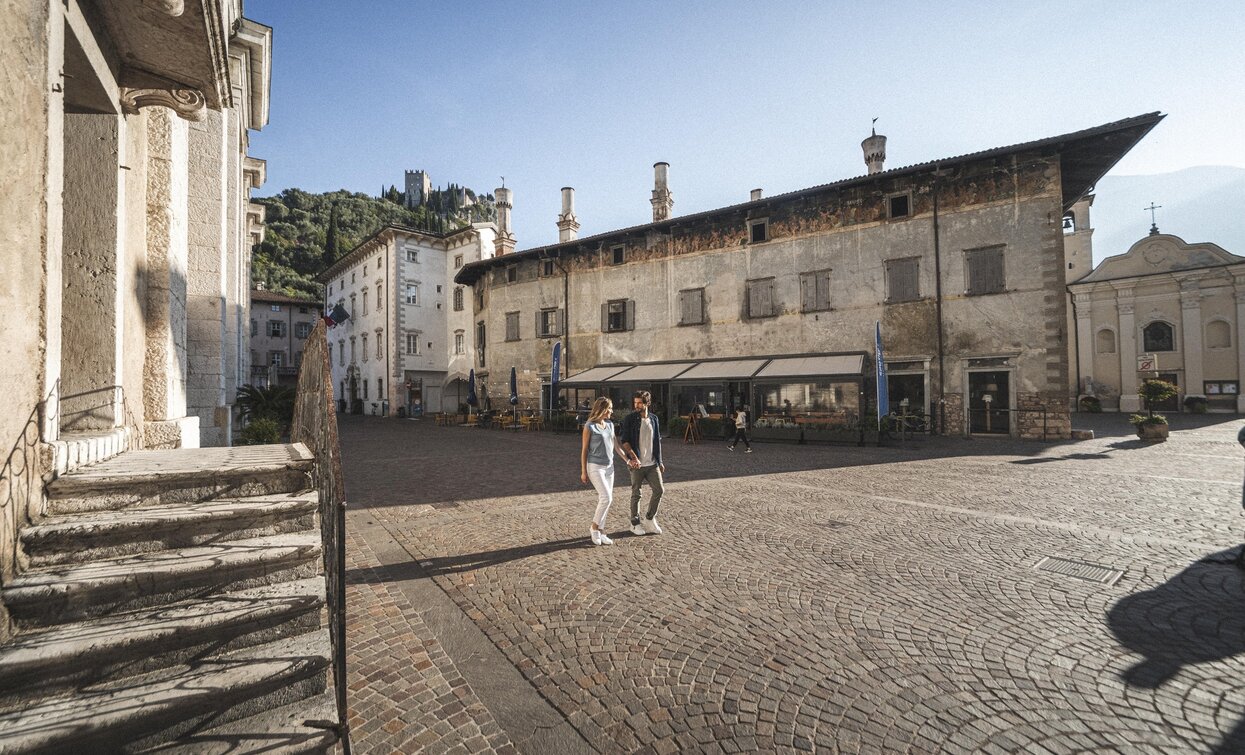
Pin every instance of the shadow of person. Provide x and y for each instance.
(464, 562)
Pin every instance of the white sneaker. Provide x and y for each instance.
(748, 451)
(638, 529)
(605, 539)
(596, 536)
(650, 526)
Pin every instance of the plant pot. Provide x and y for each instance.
(1154, 432)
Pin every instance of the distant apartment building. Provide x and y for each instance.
(407, 345)
(280, 326)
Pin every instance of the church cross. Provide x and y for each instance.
(1154, 226)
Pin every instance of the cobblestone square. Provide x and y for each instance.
(802, 598)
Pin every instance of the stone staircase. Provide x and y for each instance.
(173, 601)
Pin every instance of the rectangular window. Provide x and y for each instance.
(480, 332)
(302, 330)
(512, 273)
(899, 205)
(254, 328)
(365, 301)
(458, 298)
(380, 344)
(412, 255)
(692, 306)
(352, 277)
(276, 307)
(276, 358)
(760, 295)
(364, 347)
(549, 322)
(364, 388)
(618, 315)
(458, 342)
(902, 280)
(512, 326)
(547, 268)
(412, 343)
(815, 291)
(983, 271)
(758, 231)
(341, 353)
(354, 357)
(302, 310)
(379, 298)
(412, 293)
(276, 329)
(458, 261)
(618, 255)
(378, 259)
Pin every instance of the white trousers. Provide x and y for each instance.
(602, 477)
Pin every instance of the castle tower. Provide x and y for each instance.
(663, 200)
(875, 151)
(568, 226)
(505, 237)
(418, 187)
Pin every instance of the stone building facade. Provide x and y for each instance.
(1182, 303)
(127, 231)
(962, 261)
(280, 326)
(408, 343)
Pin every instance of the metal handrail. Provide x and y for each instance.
(315, 425)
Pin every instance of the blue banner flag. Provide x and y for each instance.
(884, 401)
(556, 372)
(471, 389)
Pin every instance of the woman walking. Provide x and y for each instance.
(596, 463)
(741, 430)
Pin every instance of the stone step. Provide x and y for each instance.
(150, 478)
(44, 663)
(87, 536)
(303, 727)
(57, 594)
(137, 713)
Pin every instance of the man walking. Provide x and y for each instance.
(641, 441)
(741, 430)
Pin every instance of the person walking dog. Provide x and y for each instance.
(741, 430)
(641, 441)
(596, 463)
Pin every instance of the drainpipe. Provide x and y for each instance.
(942, 406)
(566, 316)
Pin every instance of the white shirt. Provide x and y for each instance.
(646, 442)
(741, 419)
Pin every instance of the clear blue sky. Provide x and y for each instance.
(734, 95)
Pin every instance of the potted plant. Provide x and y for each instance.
(1195, 404)
(1152, 426)
(1091, 404)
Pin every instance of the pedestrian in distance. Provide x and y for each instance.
(641, 441)
(596, 463)
(741, 430)
(581, 417)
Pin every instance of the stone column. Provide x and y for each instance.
(205, 280)
(91, 321)
(1084, 341)
(1129, 400)
(165, 375)
(1191, 330)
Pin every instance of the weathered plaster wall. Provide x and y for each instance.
(134, 270)
(29, 254)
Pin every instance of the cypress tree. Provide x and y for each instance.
(332, 241)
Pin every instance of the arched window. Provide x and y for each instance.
(1158, 336)
(1106, 341)
(1218, 335)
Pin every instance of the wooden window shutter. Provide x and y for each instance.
(630, 314)
(767, 297)
(823, 290)
(808, 292)
(605, 317)
(539, 330)
(698, 302)
(561, 322)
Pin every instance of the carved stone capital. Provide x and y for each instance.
(1126, 307)
(167, 7)
(188, 103)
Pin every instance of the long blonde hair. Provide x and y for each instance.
(599, 408)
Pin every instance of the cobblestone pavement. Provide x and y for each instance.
(837, 599)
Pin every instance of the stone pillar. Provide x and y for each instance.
(1191, 331)
(164, 367)
(1129, 400)
(205, 280)
(92, 278)
(1084, 341)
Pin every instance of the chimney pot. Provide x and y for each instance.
(568, 225)
(756, 194)
(663, 200)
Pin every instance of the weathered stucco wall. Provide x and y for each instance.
(1014, 205)
(28, 249)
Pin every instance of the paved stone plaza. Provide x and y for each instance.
(837, 599)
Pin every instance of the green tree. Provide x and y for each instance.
(332, 243)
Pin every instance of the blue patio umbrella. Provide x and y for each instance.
(471, 389)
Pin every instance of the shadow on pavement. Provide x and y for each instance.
(1195, 617)
(465, 562)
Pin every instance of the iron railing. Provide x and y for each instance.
(315, 425)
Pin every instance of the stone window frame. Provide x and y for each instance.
(890, 207)
(887, 265)
(700, 320)
(460, 339)
(618, 254)
(412, 343)
(365, 300)
(1170, 326)
(354, 356)
(302, 330)
(755, 283)
(412, 255)
(1206, 334)
(458, 261)
(276, 359)
(380, 294)
(627, 313)
(543, 328)
(548, 268)
(512, 326)
(412, 294)
(811, 278)
(753, 225)
(380, 343)
(512, 273)
(276, 329)
(341, 352)
(458, 298)
(353, 306)
(1115, 340)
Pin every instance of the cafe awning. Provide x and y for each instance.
(647, 373)
(813, 366)
(734, 369)
(593, 376)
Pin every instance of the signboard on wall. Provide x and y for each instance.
(1147, 363)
